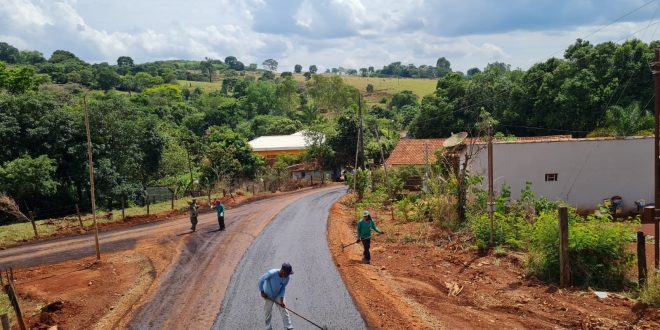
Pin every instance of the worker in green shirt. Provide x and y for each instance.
(364, 227)
(220, 208)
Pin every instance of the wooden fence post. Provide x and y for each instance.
(641, 258)
(564, 261)
(79, 217)
(172, 200)
(34, 225)
(5, 322)
(123, 206)
(147, 198)
(11, 293)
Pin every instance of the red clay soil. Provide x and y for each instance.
(407, 285)
(78, 293)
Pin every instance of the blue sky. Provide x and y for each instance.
(328, 33)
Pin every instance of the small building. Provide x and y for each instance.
(580, 172)
(271, 146)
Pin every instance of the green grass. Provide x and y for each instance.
(382, 86)
(5, 306)
(14, 233)
(203, 85)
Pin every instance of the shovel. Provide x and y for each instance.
(300, 316)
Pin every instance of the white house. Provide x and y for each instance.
(581, 172)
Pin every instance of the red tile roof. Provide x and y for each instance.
(413, 151)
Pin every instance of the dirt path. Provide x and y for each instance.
(192, 290)
(409, 282)
(298, 236)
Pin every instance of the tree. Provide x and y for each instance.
(286, 74)
(307, 75)
(252, 67)
(473, 71)
(402, 99)
(270, 64)
(207, 67)
(370, 88)
(228, 156)
(297, 68)
(313, 69)
(443, 66)
(106, 77)
(28, 178)
(363, 72)
(267, 75)
(231, 61)
(31, 57)
(626, 121)
(125, 61)
(8, 53)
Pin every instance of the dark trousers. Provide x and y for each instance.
(366, 243)
(193, 221)
(221, 222)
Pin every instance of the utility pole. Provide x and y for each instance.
(360, 133)
(91, 180)
(656, 150)
(491, 205)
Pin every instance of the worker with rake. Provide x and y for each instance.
(272, 285)
(364, 227)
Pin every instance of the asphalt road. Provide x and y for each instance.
(298, 236)
(79, 246)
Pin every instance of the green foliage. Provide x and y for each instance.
(597, 248)
(358, 182)
(28, 177)
(650, 293)
(370, 88)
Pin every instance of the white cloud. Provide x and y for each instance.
(328, 33)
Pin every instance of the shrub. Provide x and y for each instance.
(510, 229)
(597, 249)
(650, 293)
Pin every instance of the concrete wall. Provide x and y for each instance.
(588, 170)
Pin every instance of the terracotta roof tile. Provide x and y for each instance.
(412, 152)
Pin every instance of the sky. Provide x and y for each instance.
(327, 33)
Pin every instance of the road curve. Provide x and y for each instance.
(298, 236)
(189, 294)
(74, 247)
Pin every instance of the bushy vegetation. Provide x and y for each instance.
(650, 293)
(597, 245)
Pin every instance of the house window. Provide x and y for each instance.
(550, 177)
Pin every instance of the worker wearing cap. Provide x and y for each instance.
(364, 227)
(272, 285)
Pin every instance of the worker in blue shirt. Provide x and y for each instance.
(272, 285)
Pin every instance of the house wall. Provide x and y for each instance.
(588, 170)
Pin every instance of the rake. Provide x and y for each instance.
(300, 316)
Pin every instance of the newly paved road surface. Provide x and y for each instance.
(298, 236)
(79, 246)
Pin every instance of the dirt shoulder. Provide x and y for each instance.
(425, 278)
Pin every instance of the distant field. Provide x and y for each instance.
(385, 87)
(204, 85)
(382, 86)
